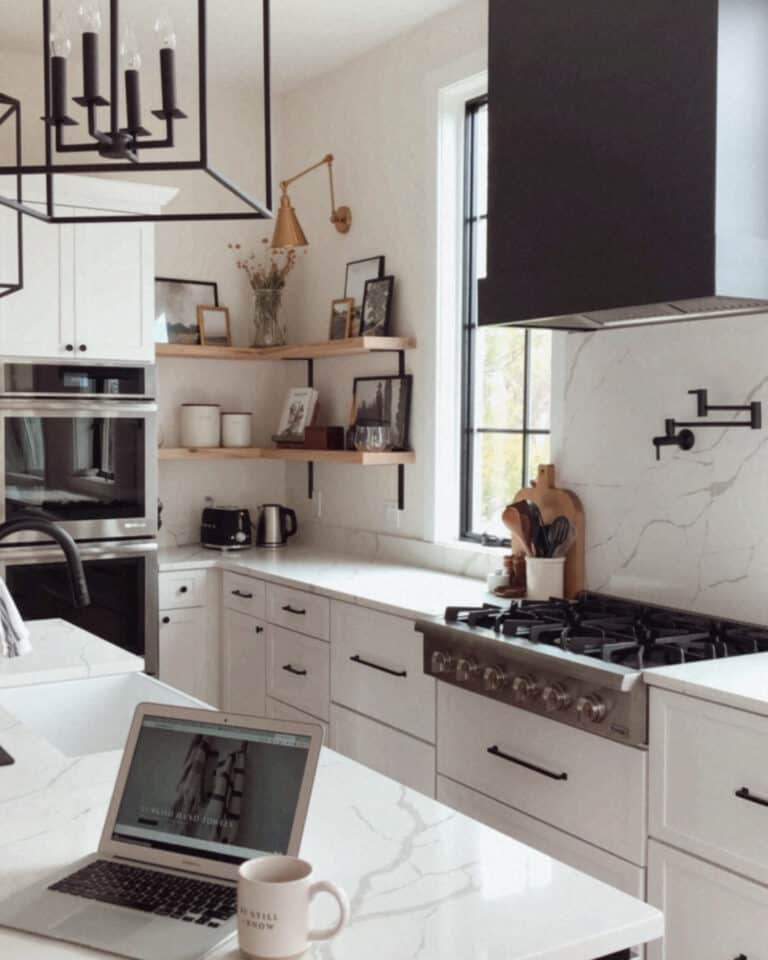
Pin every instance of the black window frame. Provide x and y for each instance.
(469, 430)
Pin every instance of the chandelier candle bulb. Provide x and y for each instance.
(59, 88)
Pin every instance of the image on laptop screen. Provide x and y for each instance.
(223, 792)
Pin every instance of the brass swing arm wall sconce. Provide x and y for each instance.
(288, 232)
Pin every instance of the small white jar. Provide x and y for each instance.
(545, 577)
(200, 425)
(236, 429)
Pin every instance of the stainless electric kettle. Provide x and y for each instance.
(274, 525)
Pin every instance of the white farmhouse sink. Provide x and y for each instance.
(88, 716)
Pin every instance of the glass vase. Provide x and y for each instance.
(268, 329)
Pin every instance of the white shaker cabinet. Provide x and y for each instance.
(187, 659)
(244, 664)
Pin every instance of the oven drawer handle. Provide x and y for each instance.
(376, 666)
(744, 794)
(300, 672)
(243, 596)
(495, 752)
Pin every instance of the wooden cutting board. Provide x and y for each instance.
(553, 502)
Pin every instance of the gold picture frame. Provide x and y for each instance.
(214, 326)
(341, 318)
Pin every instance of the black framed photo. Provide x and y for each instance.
(176, 303)
(384, 401)
(359, 272)
(377, 306)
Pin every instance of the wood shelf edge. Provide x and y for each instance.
(355, 457)
(295, 351)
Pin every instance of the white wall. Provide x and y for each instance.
(379, 117)
(692, 529)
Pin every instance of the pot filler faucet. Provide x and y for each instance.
(77, 582)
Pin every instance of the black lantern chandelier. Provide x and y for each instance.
(10, 113)
(127, 146)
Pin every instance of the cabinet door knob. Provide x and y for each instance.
(183, 589)
(259, 629)
(166, 620)
(82, 348)
(69, 347)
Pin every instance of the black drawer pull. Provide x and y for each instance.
(375, 666)
(741, 956)
(166, 619)
(494, 751)
(243, 596)
(300, 672)
(744, 794)
(289, 609)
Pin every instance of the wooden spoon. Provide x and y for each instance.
(519, 525)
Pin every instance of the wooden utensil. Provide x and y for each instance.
(519, 527)
(553, 502)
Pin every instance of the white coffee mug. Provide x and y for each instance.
(273, 898)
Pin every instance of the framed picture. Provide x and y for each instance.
(341, 318)
(214, 326)
(359, 272)
(384, 401)
(377, 305)
(176, 303)
(297, 413)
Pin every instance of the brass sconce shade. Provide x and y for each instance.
(288, 232)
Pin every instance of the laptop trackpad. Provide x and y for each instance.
(96, 925)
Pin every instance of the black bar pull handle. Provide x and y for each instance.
(741, 956)
(377, 666)
(299, 672)
(289, 609)
(495, 752)
(744, 794)
(243, 596)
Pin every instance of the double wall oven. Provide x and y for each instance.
(78, 445)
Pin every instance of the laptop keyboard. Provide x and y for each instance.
(165, 894)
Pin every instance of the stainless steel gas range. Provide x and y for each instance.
(577, 662)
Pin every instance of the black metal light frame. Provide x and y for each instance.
(257, 210)
(11, 113)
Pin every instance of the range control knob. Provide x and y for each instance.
(467, 668)
(555, 697)
(524, 687)
(443, 662)
(592, 708)
(494, 678)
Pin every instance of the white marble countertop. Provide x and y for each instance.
(62, 651)
(424, 881)
(740, 682)
(400, 589)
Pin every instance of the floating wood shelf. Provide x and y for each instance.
(386, 459)
(352, 346)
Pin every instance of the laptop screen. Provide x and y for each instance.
(213, 790)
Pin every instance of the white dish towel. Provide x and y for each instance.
(14, 636)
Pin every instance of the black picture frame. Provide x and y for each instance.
(188, 301)
(358, 272)
(397, 414)
(378, 325)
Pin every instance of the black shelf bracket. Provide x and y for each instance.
(679, 433)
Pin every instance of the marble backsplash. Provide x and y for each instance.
(690, 530)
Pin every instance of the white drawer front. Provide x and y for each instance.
(183, 588)
(244, 664)
(701, 755)
(282, 711)
(298, 610)
(576, 781)
(244, 594)
(709, 913)
(298, 670)
(377, 669)
(556, 844)
(394, 754)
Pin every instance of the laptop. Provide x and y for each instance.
(198, 792)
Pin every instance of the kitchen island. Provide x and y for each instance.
(424, 881)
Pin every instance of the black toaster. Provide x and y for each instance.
(226, 528)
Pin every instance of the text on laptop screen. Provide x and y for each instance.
(212, 790)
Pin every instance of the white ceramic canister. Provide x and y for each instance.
(200, 425)
(545, 577)
(236, 429)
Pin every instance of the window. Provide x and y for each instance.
(506, 373)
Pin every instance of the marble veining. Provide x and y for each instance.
(425, 882)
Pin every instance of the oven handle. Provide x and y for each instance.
(744, 794)
(495, 752)
(43, 553)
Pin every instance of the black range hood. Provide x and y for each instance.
(628, 162)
